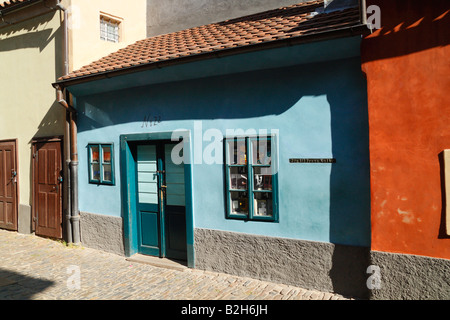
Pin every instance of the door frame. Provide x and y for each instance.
(34, 142)
(16, 164)
(128, 188)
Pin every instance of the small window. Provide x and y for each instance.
(101, 163)
(109, 29)
(251, 181)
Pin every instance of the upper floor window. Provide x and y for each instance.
(109, 28)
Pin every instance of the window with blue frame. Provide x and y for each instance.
(101, 163)
(251, 178)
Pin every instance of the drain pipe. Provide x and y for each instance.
(363, 8)
(59, 6)
(67, 196)
(60, 98)
(75, 217)
(72, 213)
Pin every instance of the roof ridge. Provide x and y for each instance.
(276, 10)
(269, 26)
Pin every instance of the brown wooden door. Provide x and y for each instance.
(48, 189)
(8, 185)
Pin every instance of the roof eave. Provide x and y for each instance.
(17, 6)
(359, 29)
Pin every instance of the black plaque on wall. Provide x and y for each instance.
(311, 160)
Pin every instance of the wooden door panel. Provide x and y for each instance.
(175, 211)
(52, 207)
(8, 186)
(148, 203)
(52, 169)
(42, 167)
(42, 210)
(149, 222)
(48, 189)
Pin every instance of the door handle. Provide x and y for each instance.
(13, 175)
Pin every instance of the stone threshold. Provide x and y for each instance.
(159, 262)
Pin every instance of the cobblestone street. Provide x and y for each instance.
(34, 268)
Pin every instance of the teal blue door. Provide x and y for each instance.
(161, 210)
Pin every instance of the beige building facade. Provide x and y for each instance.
(32, 123)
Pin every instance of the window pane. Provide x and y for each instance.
(102, 30)
(110, 31)
(116, 33)
(262, 178)
(237, 151)
(262, 151)
(262, 205)
(107, 174)
(238, 178)
(95, 171)
(106, 154)
(239, 202)
(94, 154)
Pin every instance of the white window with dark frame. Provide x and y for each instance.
(251, 178)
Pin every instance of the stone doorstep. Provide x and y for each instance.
(159, 262)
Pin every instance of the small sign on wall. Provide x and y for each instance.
(310, 160)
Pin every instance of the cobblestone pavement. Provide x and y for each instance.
(34, 268)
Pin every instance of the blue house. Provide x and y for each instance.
(239, 147)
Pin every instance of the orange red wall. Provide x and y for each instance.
(407, 64)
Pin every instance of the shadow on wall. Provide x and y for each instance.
(350, 188)
(423, 28)
(35, 38)
(16, 286)
(50, 126)
(31, 37)
(28, 34)
(349, 271)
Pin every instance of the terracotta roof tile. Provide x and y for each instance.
(287, 22)
(10, 3)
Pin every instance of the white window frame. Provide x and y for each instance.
(110, 28)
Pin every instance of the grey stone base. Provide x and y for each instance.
(411, 277)
(307, 264)
(324, 266)
(24, 219)
(102, 232)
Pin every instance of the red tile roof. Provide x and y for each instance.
(266, 27)
(10, 3)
